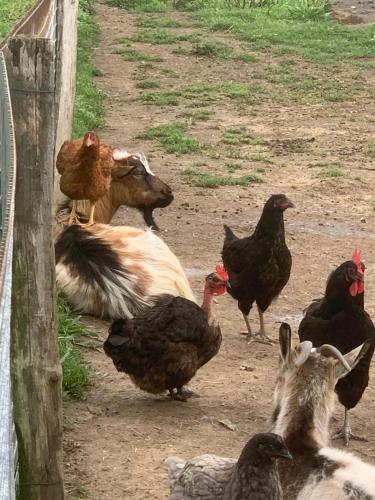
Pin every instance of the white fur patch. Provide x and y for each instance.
(120, 154)
(145, 163)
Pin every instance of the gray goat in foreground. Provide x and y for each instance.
(304, 402)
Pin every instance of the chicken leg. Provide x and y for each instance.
(91, 218)
(261, 336)
(72, 219)
(346, 431)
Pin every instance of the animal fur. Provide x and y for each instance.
(113, 272)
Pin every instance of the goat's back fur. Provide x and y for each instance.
(349, 478)
(113, 272)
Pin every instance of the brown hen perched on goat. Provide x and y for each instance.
(163, 347)
(259, 266)
(85, 167)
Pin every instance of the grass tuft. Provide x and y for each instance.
(155, 37)
(135, 55)
(371, 149)
(211, 49)
(169, 98)
(237, 136)
(173, 138)
(140, 5)
(213, 181)
(331, 172)
(147, 84)
(75, 370)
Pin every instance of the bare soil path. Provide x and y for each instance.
(118, 437)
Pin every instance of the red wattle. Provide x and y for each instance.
(353, 289)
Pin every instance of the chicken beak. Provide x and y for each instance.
(285, 453)
(289, 204)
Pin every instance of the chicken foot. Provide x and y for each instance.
(346, 431)
(182, 394)
(91, 218)
(73, 217)
(257, 337)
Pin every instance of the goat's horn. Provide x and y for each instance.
(332, 352)
(302, 351)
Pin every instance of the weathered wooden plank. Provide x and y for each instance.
(66, 77)
(35, 365)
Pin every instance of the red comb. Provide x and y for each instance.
(356, 258)
(357, 287)
(220, 270)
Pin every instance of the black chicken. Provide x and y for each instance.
(339, 319)
(259, 265)
(162, 347)
(253, 476)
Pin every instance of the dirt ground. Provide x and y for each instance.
(117, 437)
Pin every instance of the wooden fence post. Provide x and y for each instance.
(35, 364)
(67, 20)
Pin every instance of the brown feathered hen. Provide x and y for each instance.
(162, 347)
(253, 476)
(85, 167)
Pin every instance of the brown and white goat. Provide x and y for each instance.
(133, 184)
(113, 272)
(304, 403)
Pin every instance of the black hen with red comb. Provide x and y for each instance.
(339, 319)
(259, 266)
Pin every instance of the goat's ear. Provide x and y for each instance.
(301, 353)
(120, 170)
(285, 341)
(353, 358)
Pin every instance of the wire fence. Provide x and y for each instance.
(8, 448)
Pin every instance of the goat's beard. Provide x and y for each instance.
(149, 218)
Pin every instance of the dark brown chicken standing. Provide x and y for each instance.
(259, 266)
(339, 319)
(85, 168)
(162, 347)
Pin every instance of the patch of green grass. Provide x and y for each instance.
(308, 10)
(324, 41)
(147, 84)
(76, 371)
(169, 73)
(88, 106)
(11, 11)
(155, 37)
(135, 55)
(167, 98)
(238, 136)
(233, 90)
(197, 116)
(213, 181)
(140, 5)
(211, 49)
(173, 138)
(246, 57)
(260, 170)
(232, 167)
(158, 22)
(371, 149)
(261, 157)
(331, 172)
